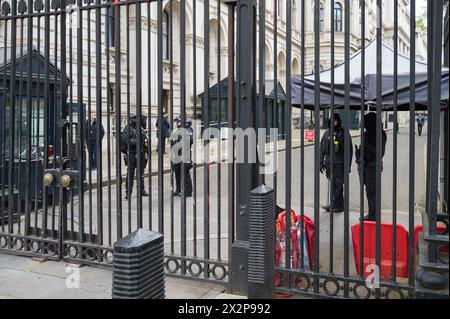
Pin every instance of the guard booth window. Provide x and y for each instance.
(214, 113)
(275, 115)
(21, 128)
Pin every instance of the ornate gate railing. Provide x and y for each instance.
(233, 66)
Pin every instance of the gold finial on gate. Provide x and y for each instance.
(66, 180)
(49, 179)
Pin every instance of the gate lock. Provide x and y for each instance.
(66, 179)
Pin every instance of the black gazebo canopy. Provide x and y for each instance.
(370, 77)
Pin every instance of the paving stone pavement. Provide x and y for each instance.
(25, 278)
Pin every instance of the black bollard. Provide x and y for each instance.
(138, 267)
(261, 259)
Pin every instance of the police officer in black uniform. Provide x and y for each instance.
(369, 140)
(420, 124)
(129, 140)
(338, 148)
(178, 141)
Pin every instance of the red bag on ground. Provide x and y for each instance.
(309, 231)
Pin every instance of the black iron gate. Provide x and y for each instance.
(80, 71)
(75, 73)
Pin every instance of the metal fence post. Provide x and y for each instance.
(246, 171)
(261, 259)
(138, 267)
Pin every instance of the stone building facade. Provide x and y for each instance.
(147, 66)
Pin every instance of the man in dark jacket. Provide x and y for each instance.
(369, 140)
(178, 157)
(92, 126)
(165, 133)
(335, 144)
(129, 140)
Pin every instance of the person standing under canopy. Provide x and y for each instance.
(337, 141)
(368, 166)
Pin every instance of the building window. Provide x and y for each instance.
(321, 18)
(337, 17)
(111, 97)
(165, 35)
(111, 36)
(294, 15)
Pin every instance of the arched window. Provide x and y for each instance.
(321, 18)
(165, 35)
(337, 17)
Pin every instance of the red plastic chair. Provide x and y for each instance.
(386, 249)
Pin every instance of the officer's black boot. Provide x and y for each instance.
(177, 171)
(129, 182)
(188, 182)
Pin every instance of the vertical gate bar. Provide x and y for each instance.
(72, 156)
(29, 119)
(63, 193)
(118, 114)
(246, 170)
(12, 103)
(435, 129)
(430, 41)
(347, 150)
(395, 148)
(46, 113)
(302, 136)
(206, 114)
(219, 138)
(98, 111)
(55, 126)
(275, 81)
(194, 84)
(70, 132)
(128, 114)
(81, 123)
(20, 116)
(231, 143)
(160, 119)
(445, 188)
(362, 152)
(288, 127)
(331, 128)
(139, 141)
(316, 141)
(260, 110)
(89, 112)
(302, 139)
(108, 11)
(412, 103)
(171, 111)
(3, 141)
(38, 129)
(430, 27)
(149, 113)
(183, 123)
(378, 140)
